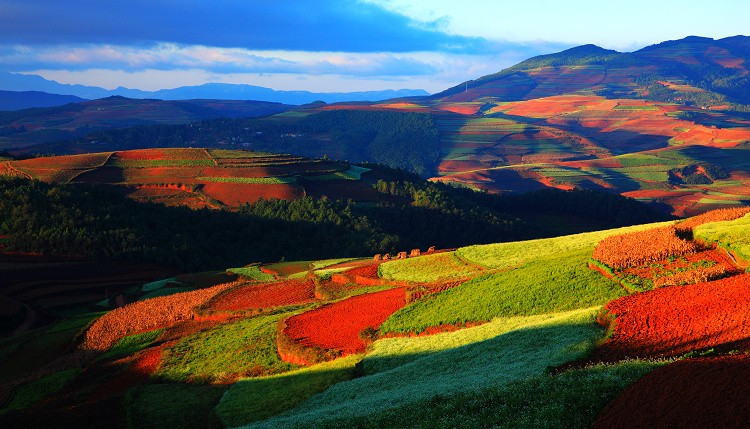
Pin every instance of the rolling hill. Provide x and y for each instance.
(540, 333)
(668, 124)
(17, 100)
(26, 127)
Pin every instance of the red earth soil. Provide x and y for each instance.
(692, 393)
(265, 295)
(462, 109)
(235, 194)
(642, 247)
(675, 320)
(138, 372)
(153, 154)
(713, 216)
(337, 326)
(367, 271)
(142, 316)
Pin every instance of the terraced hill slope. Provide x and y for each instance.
(202, 178)
(525, 334)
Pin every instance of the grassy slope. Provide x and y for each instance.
(244, 347)
(40, 389)
(570, 400)
(734, 235)
(497, 361)
(252, 273)
(131, 344)
(536, 277)
(172, 405)
(35, 348)
(254, 399)
(389, 353)
(428, 268)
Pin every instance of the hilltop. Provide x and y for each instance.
(665, 124)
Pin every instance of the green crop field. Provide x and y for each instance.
(29, 350)
(428, 268)
(572, 399)
(131, 344)
(39, 389)
(543, 285)
(172, 405)
(254, 399)
(506, 255)
(252, 272)
(530, 277)
(252, 180)
(498, 361)
(734, 235)
(245, 347)
(389, 353)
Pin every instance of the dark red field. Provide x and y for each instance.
(337, 326)
(693, 393)
(674, 320)
(265, 295)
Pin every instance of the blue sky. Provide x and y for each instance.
(328, 45)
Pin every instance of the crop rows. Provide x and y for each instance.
(146, 315)
(695, 393)
(337, 326)
(674, 320)
(642, 247)
(261, 296)
(713, 216)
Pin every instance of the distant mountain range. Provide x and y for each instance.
(17, 100)
(695, 70)
(669, 123)
(21, 82)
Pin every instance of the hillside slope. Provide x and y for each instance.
(530, 324)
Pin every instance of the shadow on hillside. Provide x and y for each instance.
(101, 393)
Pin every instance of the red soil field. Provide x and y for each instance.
(558, 105)
(235, 194)
(153, 154)
(713, 216)
(461, 109)
(138, 372)
(145, 316)
(683, 270)
(693, 393)
(642, 247)
(367, 271)
(337, 326)
(168, 196)
(675, 320)
(66, 162)
(286, 269)
(265, 295)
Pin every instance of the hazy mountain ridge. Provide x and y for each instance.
(17, 100)
(20, 82)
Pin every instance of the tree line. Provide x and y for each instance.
(101, 222)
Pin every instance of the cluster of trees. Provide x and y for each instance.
(697, 174)
(101, 222)
(404, 140)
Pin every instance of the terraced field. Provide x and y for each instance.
(506, 332)
(200, 177)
